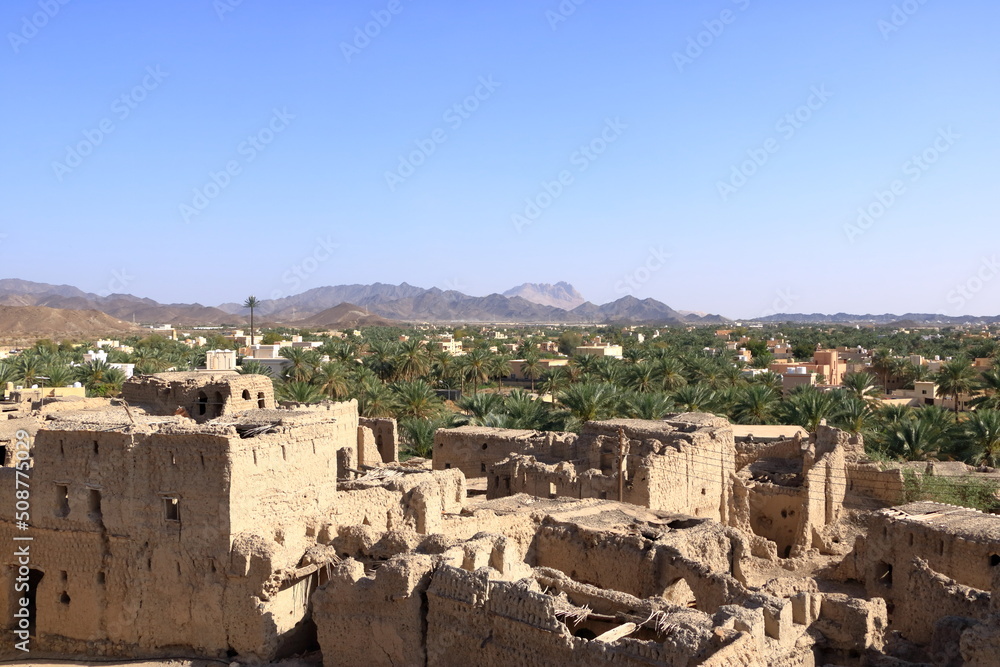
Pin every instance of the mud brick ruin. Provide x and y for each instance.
(198, 519)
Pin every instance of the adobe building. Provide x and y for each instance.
(204, 395)
(263, 533)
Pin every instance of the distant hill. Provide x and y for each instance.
(15, 292)
(401, 303)
(345, 316)
(18, 322)
(887, 319)
(561, 295)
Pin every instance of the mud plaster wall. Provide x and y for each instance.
(386, 437)
(204, 396)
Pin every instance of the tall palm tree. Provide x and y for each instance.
(955, 378)
(642, 377)
(252, 304)
(531, 368)
(670, 372)
(882, 365)
(477, 366)
(253, 367)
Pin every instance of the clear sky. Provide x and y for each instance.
(712, 155)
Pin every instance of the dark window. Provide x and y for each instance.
(96, 447)
(94, 503)
(883, 574)
(260, 400)
(202, 402)
(246, 394)
(171, 508)
(62, 500)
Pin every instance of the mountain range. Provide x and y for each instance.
(528, 303)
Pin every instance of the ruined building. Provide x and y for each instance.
(251, 533)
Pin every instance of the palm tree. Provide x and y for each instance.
(59, 376)
(332, 380)
(694, 398)
(642, 377)
(670, 372)
(419, 435)
(914, 440)
(303, 361)
(299, 391)
(882, 364)
(477, 366)
(989, 384)
(955, 378)
(982, 437)
(756, 404)
(525, 412)
(375, 400)
(253, 367)
(382, 359)
(590, 401)
(480, 406)
(808, 407)
(252, 304)
(531, 368)
(416, 399)
(653, 405)
(414, 359)
(862, 386)
(855, 416)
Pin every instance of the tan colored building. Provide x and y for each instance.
(614, 351)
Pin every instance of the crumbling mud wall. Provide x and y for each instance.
(683, 464)
(475, 449)
(385, 437)
(129, 510)
(204, 395)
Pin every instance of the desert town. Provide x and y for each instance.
(196, 517)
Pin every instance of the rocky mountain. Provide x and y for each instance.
(345, 316)
(405, 303)
(27, 322)
(15, 292)
(561, 295)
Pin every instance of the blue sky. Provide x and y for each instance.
(713, 155)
